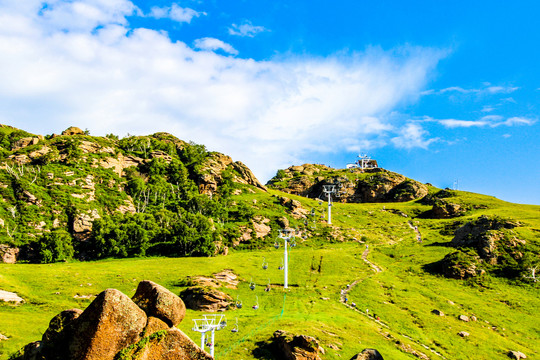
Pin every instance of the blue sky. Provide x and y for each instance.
(438, 91)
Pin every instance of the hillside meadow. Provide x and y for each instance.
(402, 296)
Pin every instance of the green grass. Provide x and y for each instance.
(402, 295)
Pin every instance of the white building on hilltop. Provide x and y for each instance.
(364, 162)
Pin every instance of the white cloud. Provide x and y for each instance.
(108, 78)
(246, 29)
(213, 44)
(175, 13)
(412, 135)
(489, 121)
(487, 89)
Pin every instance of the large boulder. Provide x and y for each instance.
(205, 299)
(159, 302)
(110, 323)
(55, 340)
(368, 354)
(296, 347)
(171, 344)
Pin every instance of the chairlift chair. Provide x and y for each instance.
(252, 284)
(267, 286)
(276, 245)
(264, 264)
(281, 267)
(238, 303)
(256, 306)
(235, 328)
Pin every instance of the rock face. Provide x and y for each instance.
(114, 327)
(296, 347)
(368, 354)
(8, 254)
(380, 186)
(212, 170)
(73, 130)
(159, 302)
(199, 298)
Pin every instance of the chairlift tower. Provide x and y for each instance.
(286, 235)
(209, 323)
(329, 190)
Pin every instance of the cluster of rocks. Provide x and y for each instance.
(204, 294)
(114, 326)
(288, 346)
(479, 242)
(383, 186)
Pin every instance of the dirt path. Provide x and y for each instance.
(415, 228)
(344, 299)
(373, 266)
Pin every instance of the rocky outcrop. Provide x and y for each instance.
(294, 206)
(210, 175)
(72, 130)
(24, 142)
(443, 210)
(296, 347)
(120, 163)
(372, 185)
(159, 302)
(205, 299)
(115, 327)
(368, 354)
(82, 224)
(483, 234)
(8, 254)
(461, 265)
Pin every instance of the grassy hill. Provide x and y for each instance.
(371, 254)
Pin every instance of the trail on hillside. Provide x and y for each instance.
(415, 228)
(344, 299)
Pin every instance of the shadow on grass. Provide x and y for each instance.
(434, 268)
(265, 351)
(441, 244)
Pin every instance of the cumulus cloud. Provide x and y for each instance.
(175, 13)
(109, 78)
(213, 44)
(246, 29)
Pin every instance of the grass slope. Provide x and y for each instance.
(402, 295)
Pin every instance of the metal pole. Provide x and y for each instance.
(212, 344)
(286, 264)
(202, 340)
(330, 208)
